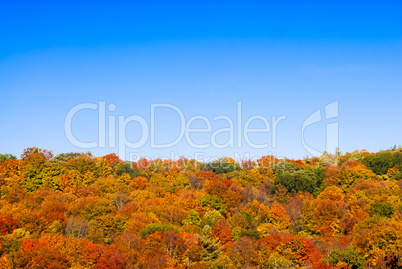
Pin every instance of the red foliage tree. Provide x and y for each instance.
(111, 159)
(37, 255)
(8, 225)
(222, 231)
(48, 154)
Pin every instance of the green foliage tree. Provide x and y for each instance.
(33, 166)
(7, 157)
(212, 201)
(379, 163)
(127, 168)
(398, 160)
(349, 256)
(56, 227)
(65, 157)
(283, 167)
(192, 218)
(382, 210)
(212, 217)
(221, 166)
(300, 180)
(157, 227)
(210, 246)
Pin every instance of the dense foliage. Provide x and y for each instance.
(74, 210)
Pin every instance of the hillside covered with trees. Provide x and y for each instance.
(74, 210)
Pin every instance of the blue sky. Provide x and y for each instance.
(276, 59)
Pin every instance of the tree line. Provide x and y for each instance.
(74, 210)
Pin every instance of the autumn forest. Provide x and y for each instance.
(74, 210)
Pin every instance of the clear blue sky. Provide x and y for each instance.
(275, 58)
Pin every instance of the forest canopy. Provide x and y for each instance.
(75, 210)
